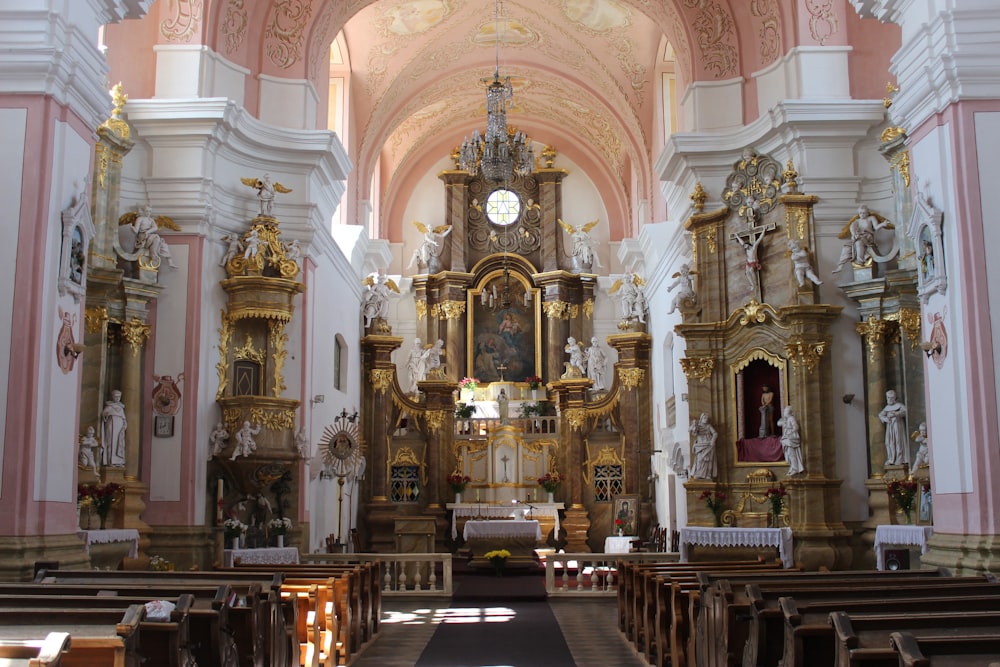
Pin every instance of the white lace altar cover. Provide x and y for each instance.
(618, 544)
(502, 529)
(265, 556)
(490, 511)
(900, 536)
(739, 537)
(130, 535)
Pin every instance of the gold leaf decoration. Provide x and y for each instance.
(909, 322)
(804, 353)
(874, 331)
(630, 378)
(135, 332)
(381, 378)
(697, 368)
(588, 308)
(225, 338)
(575, 417)
(754, 312)
(435, 419)
(698, 197)
(557, 310)
(421, 307)
(449, 310)
(278, 338)
(94, 318)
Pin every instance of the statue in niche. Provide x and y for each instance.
(893, 415)
(766, 412)
(427, 256)
(861, 247)
(114, 425)
(791, 441)
(683, 279)
(705, 462)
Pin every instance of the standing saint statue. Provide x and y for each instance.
(766, 412)
(597, 363)
(114, 425)
(893, 415)
(705, 464)
(791, 441)
(415, 366)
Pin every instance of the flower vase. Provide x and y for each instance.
(458, 497)
(235, 543)
(718, 519)
(619, 532)
(467, 395)
(908, 517)
(534, 394)
(772, 520)
(281, 541)
(498, 565)
(104, 520)
(551, 496)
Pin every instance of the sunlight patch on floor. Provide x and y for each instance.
(451, 615)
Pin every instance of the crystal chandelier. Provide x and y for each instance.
(500, 154)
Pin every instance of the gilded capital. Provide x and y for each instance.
(94, 318)
(874, 331)
(697, 368)
(449, 310)
(909, 323)
(805, 354)
(588, 308)
(754, 313)
(435, 419)
(136, 332)
(576, 418)
(381, 378)
(557, 310)
(630, 378)
(421, 307)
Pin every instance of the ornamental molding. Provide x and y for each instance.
(381, 378)
(435, 419)
(136, 333)
(630, 378)
(697, 368)
(805, 354)
(448, 310)
(576, 418)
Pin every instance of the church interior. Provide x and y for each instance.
(345, 276)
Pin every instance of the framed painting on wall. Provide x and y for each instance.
(624, 514)
(504, 334)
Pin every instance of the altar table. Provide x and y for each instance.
(900, 536)
(517, 537)
(264, 556)
(491, 511)
(738, 537)
(130, 535)
(618, 544)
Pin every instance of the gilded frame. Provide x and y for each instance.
(626, 506)
(490, 337)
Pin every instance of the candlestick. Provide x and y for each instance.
(477, 495)
(218, 503)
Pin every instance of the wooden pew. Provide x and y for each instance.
(810, 639)
(262, 627)
(766, 645)
(210, 630)
(969, 651)
(98, 636)
(45, 652)
(724, 621)
(863, 640)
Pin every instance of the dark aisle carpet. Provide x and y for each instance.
(500, 633)
(513, 586)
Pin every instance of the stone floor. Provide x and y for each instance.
(589, 626)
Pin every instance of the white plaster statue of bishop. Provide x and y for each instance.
(114, 424)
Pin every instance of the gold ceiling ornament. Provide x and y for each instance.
(698, 197)
(576, 418)
(631, 378)
(273, 420)
(135, 332)
(909, 322)
(557, 310)
(421, 307)
(588, 308)
(873, 330)
(754, 313)
(248, 351)
(697, 368)
(790, 177)
(278, 338)
(381, 378)
(225, 338)
(94, 318)
(435, 419)
(804, 353)
(449, 310)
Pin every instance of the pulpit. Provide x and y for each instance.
(518, 537)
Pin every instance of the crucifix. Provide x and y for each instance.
(506, 460)
(501, 368)
(749, 239)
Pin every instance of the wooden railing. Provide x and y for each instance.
(566, 574)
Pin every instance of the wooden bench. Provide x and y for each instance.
(968, 651)
(256, 618)
(45, 652)
(97, 636)
(863, 640)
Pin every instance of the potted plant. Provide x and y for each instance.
(464, 410)
(457, 481)
(776, 496)
(280, 527)
(550, 482)
(715, 501)
(498, 558)
(903, 493)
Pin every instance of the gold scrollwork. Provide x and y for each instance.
(557, 310)
(909, 322)
(225, 338)
(248, 351)
(576, 417)
(449, 310)
(754, 312)
(790, 177)
(435, 419)
(874, 331)
(278, 338)
(697, 368)
(891, 133)
(421, 307)
(631, 378)
(274, 420)
(698, 197)
(804, 353)
(94, 318)
(901, 162)
(135, 332)
(381, 378)
(588, 308)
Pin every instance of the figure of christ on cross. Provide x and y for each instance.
(750, 240)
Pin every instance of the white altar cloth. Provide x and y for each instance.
(491, 511)
(618, 544)
(900, 536)
(130, 535)
(265, 556)
(739, 537)
(502, 529)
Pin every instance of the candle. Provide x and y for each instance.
(218, 502)
(477, 495)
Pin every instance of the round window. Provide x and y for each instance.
(503, 207)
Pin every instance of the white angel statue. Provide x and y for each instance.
(584, 252)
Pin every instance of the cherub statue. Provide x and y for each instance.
(862, 247)
(252, 245)
(427, 254)
(235, 248)
(245, 444)
(265, 191)
(922, 457)
(376, 300)
(146, 228)
(88, 443)
(800, 263)
(576, 355)
(432, 360)
(218, 439)
(683, 280)
(584, 254)
(631, 297)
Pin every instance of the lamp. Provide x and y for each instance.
(501, 153)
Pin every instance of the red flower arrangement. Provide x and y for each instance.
(776, 496)
(903, 493)
(550, 481)
(458, 481)
(714, 500)
(101, 497)
(533, 381)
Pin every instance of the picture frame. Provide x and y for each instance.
(163, 426)
(625, 506)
